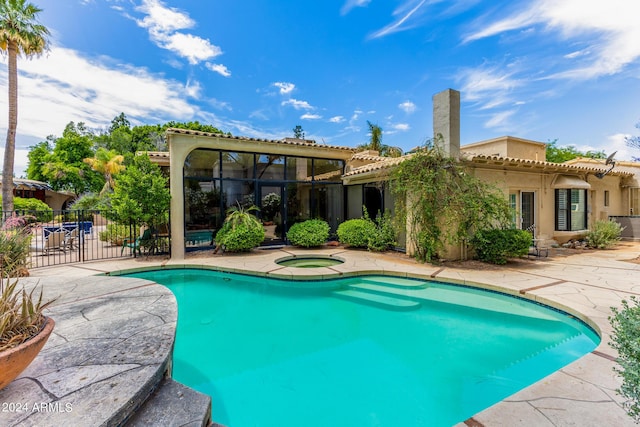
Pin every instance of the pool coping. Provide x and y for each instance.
(586, 285)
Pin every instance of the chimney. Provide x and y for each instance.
(446, 122)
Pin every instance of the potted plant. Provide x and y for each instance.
(24, 329)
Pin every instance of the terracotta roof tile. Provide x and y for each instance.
(287, 141)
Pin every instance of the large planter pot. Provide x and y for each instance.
(15, 360)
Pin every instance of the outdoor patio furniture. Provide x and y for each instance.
(70, 239)
(145, 240)
(54, 241)
(537, 247)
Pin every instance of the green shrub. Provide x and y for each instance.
(115, 234)
(14, 250)
(356, 232)
(35, 207)
(241, 231)
(384, 236)
(496, 245)
(626, 336)
(604, 234)
(310, 233)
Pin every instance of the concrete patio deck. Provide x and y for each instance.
(585, 284)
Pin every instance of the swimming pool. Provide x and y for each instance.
(361, 351)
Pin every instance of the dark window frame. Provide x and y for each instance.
(568, 211)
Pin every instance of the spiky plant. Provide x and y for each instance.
(21, 315)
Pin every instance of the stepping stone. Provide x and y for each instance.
(395, 282)
(382, 301)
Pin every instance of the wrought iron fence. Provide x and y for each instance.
(77, 236)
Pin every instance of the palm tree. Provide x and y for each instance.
(108, 163)
(19, 34)
(375, 143)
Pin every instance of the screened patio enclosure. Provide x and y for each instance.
(286, 189)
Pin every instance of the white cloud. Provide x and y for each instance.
(162, 19)
(410, 9)
(500, 120)
(20, 162)
(193, 89)
(611, 25)
(219, 68)
(309, 116)
(285, 87)
(337, 119)
(491, 86)
(298, 105)
(63, 86)
(350, 4)
(164, 23)
(617, 142)
(408, 107)
(403, 127)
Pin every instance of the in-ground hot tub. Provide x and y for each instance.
(311, 261)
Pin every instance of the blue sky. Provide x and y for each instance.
(536, 69)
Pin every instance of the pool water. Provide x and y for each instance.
(366, 351)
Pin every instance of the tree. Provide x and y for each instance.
(38, 155)
(108, 163)
(65, 169)
(140, 195)
(298, 132)
(375, 143)
(20, 34)
(119, 121)
(557, 154)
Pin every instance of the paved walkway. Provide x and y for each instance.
(585, 284)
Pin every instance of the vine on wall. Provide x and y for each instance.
(441, 203)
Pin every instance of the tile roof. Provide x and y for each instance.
(287, 141)
(537, 164)
(386, 163)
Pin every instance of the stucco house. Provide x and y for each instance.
(30, 189)
(293, 179)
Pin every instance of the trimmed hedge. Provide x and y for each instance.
(495, 246)
(308, 234)
(356, 232)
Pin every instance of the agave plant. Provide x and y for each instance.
(21, 315)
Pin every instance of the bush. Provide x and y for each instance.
(241, 231)
(115, 234)
(310, 233)
(384, 236)
(35, 207)
(626, 336)
(496, 245)
(604, 234)
(356, 232)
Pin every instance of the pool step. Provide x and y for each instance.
(173, 404)
(394, 282)
(377, 300)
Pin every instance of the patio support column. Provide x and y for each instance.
(177, 155)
